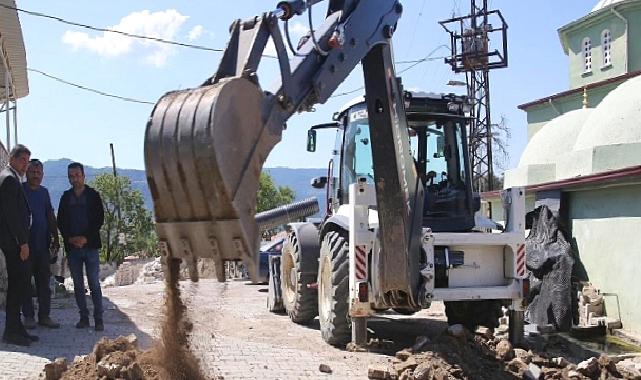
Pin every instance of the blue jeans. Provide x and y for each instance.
(91, 259)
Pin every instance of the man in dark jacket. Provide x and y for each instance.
(14, 241)
(80, 216)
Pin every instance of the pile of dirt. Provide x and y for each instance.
(120, 358)
(459, 354)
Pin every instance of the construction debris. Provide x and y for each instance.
(170, 359)
(119, 358)
(457, 354)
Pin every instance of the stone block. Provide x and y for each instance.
(379, 372)
(504, 350)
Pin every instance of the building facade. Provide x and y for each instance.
(583, 157)
(13, 85)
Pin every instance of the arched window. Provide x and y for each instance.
(587, 55)
(606, 43)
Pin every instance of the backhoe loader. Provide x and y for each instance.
(399, 235)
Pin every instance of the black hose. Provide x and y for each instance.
(286, 214)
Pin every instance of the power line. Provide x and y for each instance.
(98, 29)
(133, 100)
(418, 18)
(81, 87)
(130, 35)
(425, 59)
(414, 63)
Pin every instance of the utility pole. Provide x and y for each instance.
(117, 189)
(473, 55)
(113, 159)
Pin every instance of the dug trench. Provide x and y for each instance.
(429, 350)
(169, 359)
(412, 347)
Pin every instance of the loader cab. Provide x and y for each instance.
(438, 137)
(438, 141)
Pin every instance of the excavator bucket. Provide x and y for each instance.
(204, 150)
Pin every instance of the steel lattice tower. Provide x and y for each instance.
(472, 55)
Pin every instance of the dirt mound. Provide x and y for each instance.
(462, 355)
(120, 358)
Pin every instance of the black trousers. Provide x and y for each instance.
(18, 285)
(39, 267)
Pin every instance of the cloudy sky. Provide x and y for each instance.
(57, 120)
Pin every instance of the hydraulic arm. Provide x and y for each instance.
(205, 147)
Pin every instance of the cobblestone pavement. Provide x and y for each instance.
(234, 336)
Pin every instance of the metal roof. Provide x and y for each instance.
(577, 90)
(415, 93)
(604, 3)
(13, 50)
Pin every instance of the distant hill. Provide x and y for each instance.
(55, 180)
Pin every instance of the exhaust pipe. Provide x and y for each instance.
(286, 214)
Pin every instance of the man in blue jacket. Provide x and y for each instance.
(42, 234)
(80, 217)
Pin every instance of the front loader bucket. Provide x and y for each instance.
(204, 150)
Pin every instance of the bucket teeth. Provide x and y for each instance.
(204, 150)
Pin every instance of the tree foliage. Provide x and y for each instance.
(271, 196)
(128, 226)
(501, 135)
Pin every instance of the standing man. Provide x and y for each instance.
(43, 231)
(80, 216)
(14, 242)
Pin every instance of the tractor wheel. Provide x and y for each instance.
(299, 300)
(472, 314)
(274, 292)
(403, 311)
(333, 289)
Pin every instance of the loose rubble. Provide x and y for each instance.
(325, 368)
(170, 359)
(136, 270)
(458, 354)
(119, 358)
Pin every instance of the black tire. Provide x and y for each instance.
(333, 289)
(299, 300)
(472, 314)
(404, 311)
(274, 292)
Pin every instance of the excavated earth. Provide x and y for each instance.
(120, 358)
(459, 354)
(446, 353)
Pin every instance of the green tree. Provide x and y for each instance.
(270, 195)
(128, 225)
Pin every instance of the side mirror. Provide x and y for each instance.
(440, 146)
(311, 140)
(319, 182)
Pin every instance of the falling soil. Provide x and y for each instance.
(173, 352)
(120, 358)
